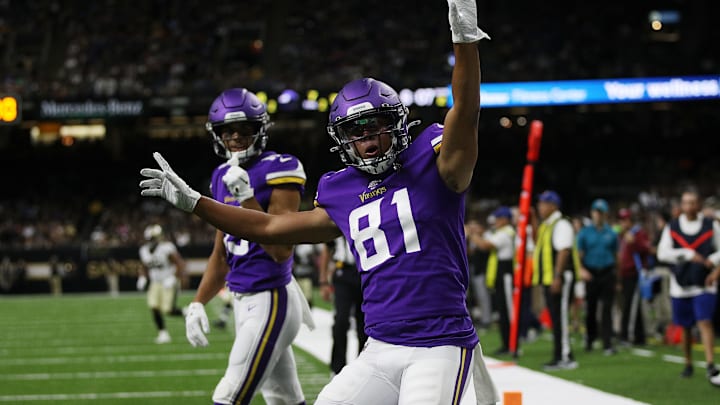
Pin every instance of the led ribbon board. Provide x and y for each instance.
(600, 91)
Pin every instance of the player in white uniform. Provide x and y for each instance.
(163, 265)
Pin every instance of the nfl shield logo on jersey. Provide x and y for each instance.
(373, 184)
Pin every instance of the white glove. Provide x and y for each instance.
(197, 325)
(462, 15)
(237, 180)
(141, 283)
(169, 282)
(168, 185)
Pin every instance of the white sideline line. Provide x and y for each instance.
(108, 374)
(32, 323)
(667, 357)
(146, 346)
(70, 345)
(113, 359)
(108, 395)
(673, 359)
(643, 352)
(301, 364)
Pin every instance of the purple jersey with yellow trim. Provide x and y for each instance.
(405, 229)
(251, 268)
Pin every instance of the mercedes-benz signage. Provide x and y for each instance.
(91, 108)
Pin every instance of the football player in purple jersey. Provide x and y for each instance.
(400, 204)
(268, 305)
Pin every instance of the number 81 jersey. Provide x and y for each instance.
(405, 229)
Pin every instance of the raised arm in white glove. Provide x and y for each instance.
(141, 283)
(462, 15)
(237, 180)
(197, 325)
(168, 185)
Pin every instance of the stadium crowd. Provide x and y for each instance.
(167, 48)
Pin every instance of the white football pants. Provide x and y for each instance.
(391, 374)
(266, 324)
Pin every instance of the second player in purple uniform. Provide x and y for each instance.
(259, 270)
(400, 206)
(268, 306)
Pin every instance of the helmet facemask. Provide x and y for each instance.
(388, 123)
(153, 233)
(250, 134)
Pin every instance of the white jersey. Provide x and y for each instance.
(158, 260)
(504, 241)
(305, 255)
(342, 251)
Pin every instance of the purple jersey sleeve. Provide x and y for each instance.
(251, 268)
(406, 232)
(272, 170)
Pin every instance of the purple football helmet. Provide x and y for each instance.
(362, 104)
(233, 106)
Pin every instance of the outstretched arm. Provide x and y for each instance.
(282, 200)
(325, 273)
(289, 228)
(213, 279)
(459, 150)
(180, 268)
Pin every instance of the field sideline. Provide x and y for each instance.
(95, 348)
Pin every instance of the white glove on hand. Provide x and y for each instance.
(196, 325)
(169, 282)
(462, 15)
(237, 180)
(141, 283)
(168, 185)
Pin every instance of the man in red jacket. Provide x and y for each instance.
(634, 249)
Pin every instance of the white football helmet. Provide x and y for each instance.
(153, 232)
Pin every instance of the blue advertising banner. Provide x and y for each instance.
(608, 91)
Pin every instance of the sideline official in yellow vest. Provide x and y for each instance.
(554, 269)
(500, 244)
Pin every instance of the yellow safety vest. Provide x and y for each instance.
(492, 264)
(544, 254)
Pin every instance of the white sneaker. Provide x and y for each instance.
(561, 365)
(715, 380)
(162, 337)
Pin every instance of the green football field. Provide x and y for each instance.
(80, 348)
(95, 348)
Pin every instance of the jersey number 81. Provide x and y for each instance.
(372, 231)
